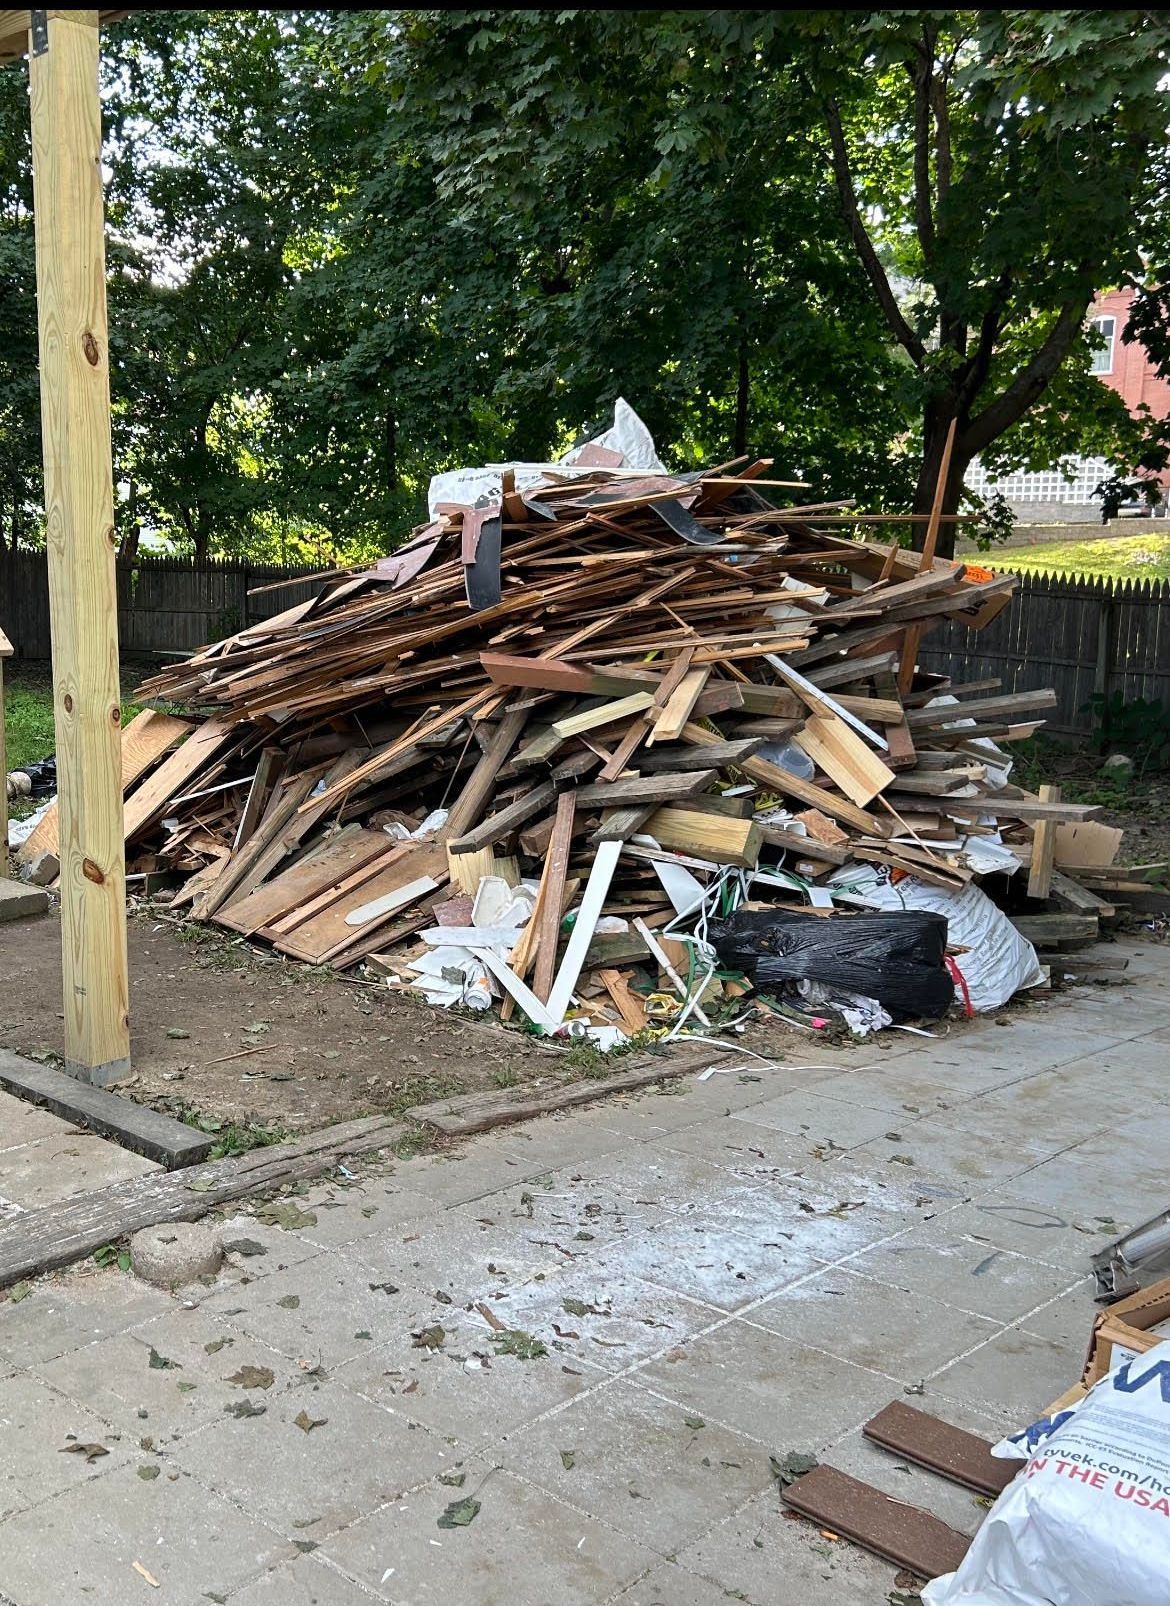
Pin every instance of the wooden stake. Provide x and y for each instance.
(913, 636)
(1043, 849)
(75, 428)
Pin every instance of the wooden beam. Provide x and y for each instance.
(546, 913)
(79, 524)
(1043, 848)
(5, 652)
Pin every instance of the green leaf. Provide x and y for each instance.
(460, 1513)
(568, 1459)
(19, 1291)
(162, 1363)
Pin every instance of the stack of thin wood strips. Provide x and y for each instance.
(619, 686)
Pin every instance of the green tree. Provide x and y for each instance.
(1004, 163)
(20, 429)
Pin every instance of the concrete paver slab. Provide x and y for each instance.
(987, 1282)
(82, 1545)
(60, 1315)
(64, 1164)
(37, 1426)
(308, 1482)
(1006, 1377)
(862, 1320)
(644, 1466)
(525, 1548)
(22, 1123)
(304, 1582)
(785, 1395)
(770, 1558)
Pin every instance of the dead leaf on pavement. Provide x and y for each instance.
(491, 1318)
(788, 1468)
(460, 1513)
(431, 1338)
(695, 1422)
(568, 1459)
(148, 1474)
(91, 1452)
(162, 1363)
(307, 1423)
(290, 1302)
(216, 1345)
(253, 1377)
(282, 1213)
(242, 1408)
(245, 1247)
(453, 1480)
(19, 1291)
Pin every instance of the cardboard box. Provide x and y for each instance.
(1129, 1328)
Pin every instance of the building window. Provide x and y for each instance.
(1103, 357)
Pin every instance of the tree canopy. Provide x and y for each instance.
(351, 248)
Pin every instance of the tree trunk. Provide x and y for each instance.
(935, 427)
(390, 449)
(739, 447)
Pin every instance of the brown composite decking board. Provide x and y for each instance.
(897, 1532)
(958, 1455)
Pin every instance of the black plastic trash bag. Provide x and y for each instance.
(43, 775)
(897, 958)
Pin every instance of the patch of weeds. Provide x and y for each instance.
(111, 1255)
(233, 1137)
(586, 1059)
(412, 1143)
(523, 1346)
(421, 1090)
(506, 1076)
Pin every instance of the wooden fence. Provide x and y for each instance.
(1078, 636)
(165, 605)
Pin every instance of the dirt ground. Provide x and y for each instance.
(236, 1036)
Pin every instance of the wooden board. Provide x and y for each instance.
(477, 1112)
(541, 948)
(679, 706)
(145, 739)
(844, 757)
(646, 788)
(59, 1234)
(333, 861)
(135, 1126)
(607, 714)
(900, 1533)
(960, 1456)
(719, 838)
(1043, 849)
(506, 820)
(588, 914)
(317, 939)
(174, 774)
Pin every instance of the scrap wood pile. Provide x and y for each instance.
(544, 750)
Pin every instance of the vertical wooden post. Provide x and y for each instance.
(75, 430)
(5, 652)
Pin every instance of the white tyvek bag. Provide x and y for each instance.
(1087, 1520)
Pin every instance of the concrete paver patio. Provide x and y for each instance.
(716, 1273)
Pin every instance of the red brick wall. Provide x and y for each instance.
(1133, 376)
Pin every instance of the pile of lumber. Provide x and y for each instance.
(613, 685)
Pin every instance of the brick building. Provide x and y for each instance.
(1040, 497)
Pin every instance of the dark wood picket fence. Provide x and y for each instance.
(1080, 636)
(165, 605)
(1077, 635)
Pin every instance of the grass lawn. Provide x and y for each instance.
(1126, 557)
(28, 720)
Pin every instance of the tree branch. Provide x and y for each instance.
(864, 245)
(1031, 382)
(921, 72)
(990, 328)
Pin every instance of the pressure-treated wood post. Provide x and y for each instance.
(75, 429)
(5, 652)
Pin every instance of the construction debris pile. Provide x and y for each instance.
(535, 754)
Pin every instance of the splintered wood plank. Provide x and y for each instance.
(592, 903)
(467, 810)
(646, 788)
(900, 1533)
(549, 674)
(720, 755)
(268, 769)
(777, 780)
(277, 833)
(330, 864)
(174, 774)
(546, 915)
(1043, 848)
(629, 1006)
(467, 870)
(844, 757)
(960, 1456)
(59, 1234)
(679, 706)
(501, 824)
(608, 714)
(421, 868)
(145, 739)
(721, 838)
(625, 750)
(619, 824)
